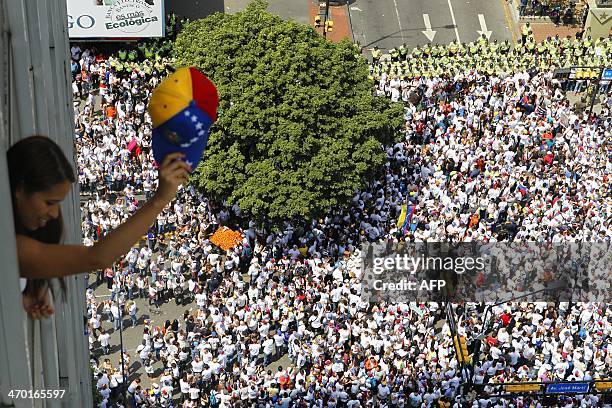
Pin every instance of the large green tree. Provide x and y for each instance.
(298, 129)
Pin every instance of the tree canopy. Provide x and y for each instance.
(298, 128)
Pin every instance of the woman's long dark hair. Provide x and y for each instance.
(37, 164)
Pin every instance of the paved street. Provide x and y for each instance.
(389, 23)
(194, 9)
(132, 335)
(298, 10)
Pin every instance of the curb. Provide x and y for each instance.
(512, 18)
(350, 20)
(514, 11)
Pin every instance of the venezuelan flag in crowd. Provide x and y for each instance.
(405, 217)
(402, 217)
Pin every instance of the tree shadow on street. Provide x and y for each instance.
(398, 34)
(195, 9)
(336, 2)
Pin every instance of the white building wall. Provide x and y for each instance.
(36, 98)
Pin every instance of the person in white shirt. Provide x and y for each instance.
(197, 365)
(116, 315)
(184, 387)
(200, 299)
(268, 349)
(144, 351)
(103, 338)
(194, 392)
(383, 391)
(132, 309)
(279, 344)
(94, 322)
(254, 349)
(102, 380)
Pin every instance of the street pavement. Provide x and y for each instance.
(194, 9)
(132, 335)
(297, 10)
(390, 23)
(386, 23)
(543, 29)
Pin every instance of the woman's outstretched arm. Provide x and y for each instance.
(40, 260)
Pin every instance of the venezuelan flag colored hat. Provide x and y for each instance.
(183, 107)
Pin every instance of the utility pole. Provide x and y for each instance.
(125, 380)
(596, 89)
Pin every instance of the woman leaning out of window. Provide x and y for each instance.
(40, 178)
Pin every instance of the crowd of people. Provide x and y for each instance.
(489, 154)
(494, 57)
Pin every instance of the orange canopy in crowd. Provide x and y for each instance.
(111, 112)
(226, 238)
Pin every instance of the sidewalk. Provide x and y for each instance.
(339, 15)
(542, 27)
(542, 30)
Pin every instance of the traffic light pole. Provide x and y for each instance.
(326, 18)
(557, 285)
(597, 82)
(461, 358)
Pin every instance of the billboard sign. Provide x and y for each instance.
(115, 18)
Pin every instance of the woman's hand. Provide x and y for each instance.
(172, 173)
(38, 306)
